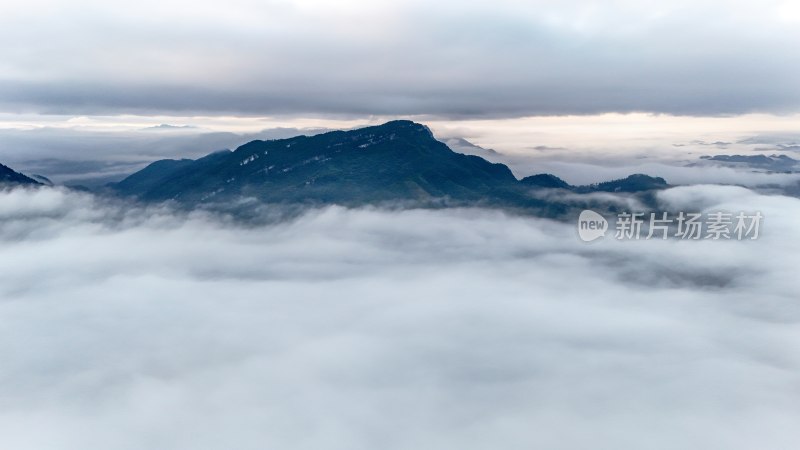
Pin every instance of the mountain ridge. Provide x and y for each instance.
(393, 161)
(398, 161)
(10, 176)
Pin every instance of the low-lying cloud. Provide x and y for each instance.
(138, 328)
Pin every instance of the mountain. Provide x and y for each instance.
(775, 163)
(545, 180)
(633, 183)
(42, 179)
(396, 161)
(399, 162)
(461, 145)
(8, 176)
(151, 176)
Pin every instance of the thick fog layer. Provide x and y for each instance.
(132, 328)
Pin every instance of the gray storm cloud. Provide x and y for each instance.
(361, 329)
(452, 59)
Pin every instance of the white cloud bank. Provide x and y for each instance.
(364, 329)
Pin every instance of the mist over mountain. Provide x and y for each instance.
(777, 163)
(399, 161)
(9, 176)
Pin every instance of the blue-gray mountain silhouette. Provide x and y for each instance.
(546, 180)
(9, 176)
(399, 161)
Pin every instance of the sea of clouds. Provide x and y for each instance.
(129, 327)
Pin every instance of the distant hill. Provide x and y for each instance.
(775, 163)
(461, 145)
(630, 184)
(633, 183)
(9, 176)
(545, 180)
(42, 179)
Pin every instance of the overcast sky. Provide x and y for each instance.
(449, 58)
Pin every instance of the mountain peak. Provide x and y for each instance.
(404, 126)
(396, 161)
(545, 180)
